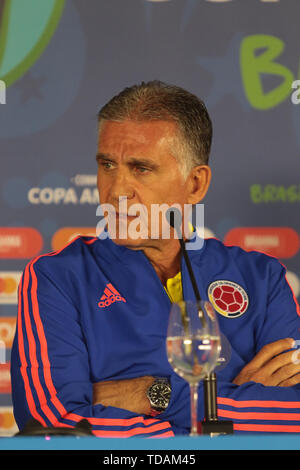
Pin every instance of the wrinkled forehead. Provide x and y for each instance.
(138, 130)
(132, 135)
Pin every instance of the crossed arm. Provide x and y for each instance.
(45, 368)
(274, 365)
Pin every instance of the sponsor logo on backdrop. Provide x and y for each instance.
(7, 331)
(20, 242)
(9, 281)
(280, 242)
(8, 426)
(5, 382)
(272, 193)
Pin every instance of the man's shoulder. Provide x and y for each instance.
(239, 256)
(67, 256)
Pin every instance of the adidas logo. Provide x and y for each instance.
(110, 296)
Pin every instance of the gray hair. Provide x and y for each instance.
(156, 100)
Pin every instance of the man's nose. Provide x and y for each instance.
(122, 186)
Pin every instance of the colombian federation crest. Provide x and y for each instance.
(228, 298)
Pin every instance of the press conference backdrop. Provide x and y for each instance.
(60, 61)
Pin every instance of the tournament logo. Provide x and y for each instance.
(20, 47)
(228, 298)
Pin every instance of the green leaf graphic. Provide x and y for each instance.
(26, 28)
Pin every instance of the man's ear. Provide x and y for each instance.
(198, 183)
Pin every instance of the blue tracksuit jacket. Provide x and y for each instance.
(96, 311)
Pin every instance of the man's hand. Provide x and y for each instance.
(129, 394)
(272, 366)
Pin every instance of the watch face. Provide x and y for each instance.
(159, 395)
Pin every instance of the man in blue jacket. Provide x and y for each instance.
(93, 316)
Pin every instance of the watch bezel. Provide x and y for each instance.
(153, 388)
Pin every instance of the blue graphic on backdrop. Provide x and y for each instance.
(14, 192)
(47, 90)
(225, 73)
(189, 8)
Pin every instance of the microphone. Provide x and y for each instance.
(211, 424)
(173, 216)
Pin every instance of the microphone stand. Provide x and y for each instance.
(211, 425)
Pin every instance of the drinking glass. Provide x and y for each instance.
(193, 346)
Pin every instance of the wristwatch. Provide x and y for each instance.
(159, 394)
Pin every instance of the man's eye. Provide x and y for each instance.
(142, 169)
(106, 165)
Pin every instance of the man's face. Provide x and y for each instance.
(135, 161)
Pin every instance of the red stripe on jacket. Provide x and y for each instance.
(153, 425)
